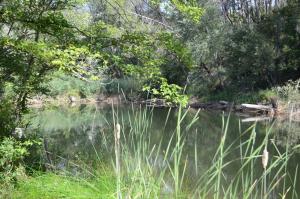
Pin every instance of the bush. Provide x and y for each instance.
(289, 92)
(158, 87)
(12, 153)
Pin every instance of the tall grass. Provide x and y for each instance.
(148, 173)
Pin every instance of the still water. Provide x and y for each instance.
(84, 135)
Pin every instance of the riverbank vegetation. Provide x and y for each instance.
(151, 169)
(172, 50)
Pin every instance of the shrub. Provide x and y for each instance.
(12, 153)
(158, 87)
(289, 92)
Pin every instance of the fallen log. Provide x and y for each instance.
(256, 107)
(252, 109)
(256, 119)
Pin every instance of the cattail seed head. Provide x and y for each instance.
(118, 130)
(265, 158)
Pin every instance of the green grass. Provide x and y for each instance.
(50, 185)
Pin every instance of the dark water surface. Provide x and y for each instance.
(84, 135)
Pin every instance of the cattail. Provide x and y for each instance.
(117, 153)
(265, 158)
(118, 130)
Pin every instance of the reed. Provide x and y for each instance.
(147, 169)
(117, 154)
(147, 173)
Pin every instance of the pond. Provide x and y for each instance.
(183, 153)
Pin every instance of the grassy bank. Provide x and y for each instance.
(51, 186)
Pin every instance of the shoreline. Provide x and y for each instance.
(251, 110)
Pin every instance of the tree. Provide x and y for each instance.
(36, 39)
(141, 53)
(281, 28)
(248, 58)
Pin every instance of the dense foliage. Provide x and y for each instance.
(208, 46)
(192, 43)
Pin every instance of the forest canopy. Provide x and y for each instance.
(171, 48)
